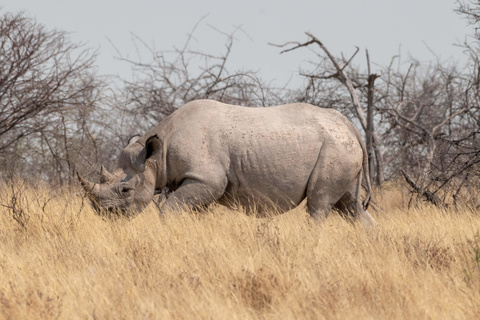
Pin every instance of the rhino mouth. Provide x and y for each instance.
(113, 213)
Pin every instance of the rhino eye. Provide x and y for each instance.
(126, 189)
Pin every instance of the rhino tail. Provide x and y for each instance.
(366, 174)
(365, 170)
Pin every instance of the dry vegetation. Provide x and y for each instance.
(59, 260)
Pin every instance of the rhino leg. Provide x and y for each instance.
(335, 183)
(319, 205)
(321, 199)
(350, 207)
(193, 194)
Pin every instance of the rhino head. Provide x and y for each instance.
(130, 188)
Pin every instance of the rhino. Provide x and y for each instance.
(260, 159)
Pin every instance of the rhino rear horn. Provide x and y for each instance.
(105, 176)
(90, 187)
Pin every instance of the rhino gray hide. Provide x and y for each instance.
(256, 158)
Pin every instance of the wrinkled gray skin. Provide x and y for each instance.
(256, 158)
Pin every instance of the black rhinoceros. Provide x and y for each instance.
(256, 158)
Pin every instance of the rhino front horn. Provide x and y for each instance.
(105, 176)
(89, 187)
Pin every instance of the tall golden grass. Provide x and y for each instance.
(59, 260)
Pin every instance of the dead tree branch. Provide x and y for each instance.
(429, 196)
(342, 76)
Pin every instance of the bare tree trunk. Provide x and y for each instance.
(369, 131)
(380, 165)
(371, 147)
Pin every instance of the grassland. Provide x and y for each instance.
(59, 260)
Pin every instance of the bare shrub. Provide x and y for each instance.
(175, 77)
(48, 91)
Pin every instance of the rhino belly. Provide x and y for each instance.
(263, 195)
(270, 166)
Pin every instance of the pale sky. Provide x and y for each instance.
(381, 26)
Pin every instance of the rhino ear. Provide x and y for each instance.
(153, 146)
(133, 139)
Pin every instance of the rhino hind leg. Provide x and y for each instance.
(350, 207)
(320, 200)
(319, 206)
(335, 182)
(329, 181)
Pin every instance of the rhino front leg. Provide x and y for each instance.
(193, 194)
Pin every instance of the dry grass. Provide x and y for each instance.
(59, 260)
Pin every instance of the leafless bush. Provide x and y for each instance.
(471, 11)
(175, 77)
(426, 117)
(431, 126)
(48, 91)
(13, 198)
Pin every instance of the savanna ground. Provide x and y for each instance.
(59, 260)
